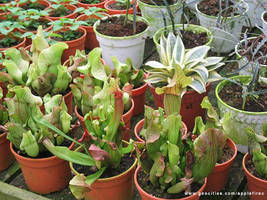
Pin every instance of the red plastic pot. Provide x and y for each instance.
(73, 15)
(74, 45)
(21, 44)
(138, 96)
(115, 12)
(6, 157)
(255, 185)
(139, 126)
(125, 117)
(190, 106)
(217, 179)
(44, 175)
(90, 41)
(118, 187)
(85, 5)
(145, 196)
(47, 4)
(29, 40)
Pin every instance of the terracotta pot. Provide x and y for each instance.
(114, 12)
(85, 5)
(217, 179)
(145, 196)
(118, 187)
(190, 106)
(21, 44)
(90, 41)
(6, 157)
(68, 101)
(73, 45)
(70, 16)
(44, 175)
(139, 126)
(29, 40)
(138, 96)
(42, 2)
(254, 184)
(125, 117)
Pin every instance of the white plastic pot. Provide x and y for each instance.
(264, 23)
(256, 7)
(249, 69)
(226, 35)
(154, 17)
(122, 47)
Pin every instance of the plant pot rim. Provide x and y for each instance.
(232, 158)
(16, 46)
(237, 46)
(69, 7)
(189, 27)
(157, 198)
(216, 17)
(138, 18)
(248, 173)
(154, 6)
(109, 178)
(3, 136)
(45, 1)
(136, 133)
(108, 2)
(34, 159)
(92, 5)
(142, 86)
(41, 19)
(191, 91)
(76, 40)
(218, 89)
(87, 17)
(262, 16)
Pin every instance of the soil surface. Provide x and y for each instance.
(251, 168)
(228, 153)
(145, 184)
(113, 26)
(90, 1)
(33, 26)
(192, 40)
(9, 42)
(118, 6)
(126, 163)
(68, 35)
(265, 17)
(60, 12)
(159, 2)
(231, 94)
(211, 7)
(44, 154)
(36, 6)
(245, 50)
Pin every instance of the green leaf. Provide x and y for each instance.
(29, 144)
(97, 68)
(197, 53)
(78, 187)
(68, 155)
(93, 177)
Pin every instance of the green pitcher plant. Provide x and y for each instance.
(101, 145)
(42, 71)
(180, 69)
(169, 157)
(91, 79)
(258, 150)
(23, 109)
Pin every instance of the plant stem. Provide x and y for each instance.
(127, 12)
(172, 104)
